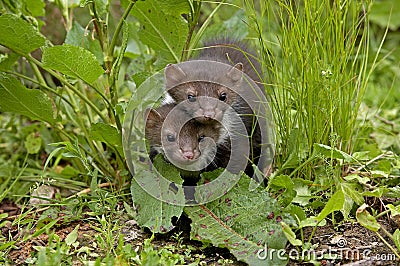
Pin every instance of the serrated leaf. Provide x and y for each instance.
(151, 212)
(164, 32)
(335, 203)
(14, 97)
(246, 222)
(366, 220)
(107, 134)
(72, 237)
(330, 152)
(72, 61)
(15, 33)
(77, 36)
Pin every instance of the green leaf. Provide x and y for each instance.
(378, 192)
(303, 193)
(173, 7)
(107, 134)
(281, 181)
(156, 214)
(330, 152)
(361, 180)
(33, 143)
(151, 212)
(164, 32)
(18, 35)
(396, 238)
(72, 61)
(290, 235)
(7, 61)
(366, 219)
(394, 210)
(35, 7)
(78, 37)
(14, 97)
(311, 222)
(246, 222)
(335, 203)
(350, 190)
(72, 237)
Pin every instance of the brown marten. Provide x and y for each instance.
(190, 146)
(211, 91)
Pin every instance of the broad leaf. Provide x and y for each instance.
(366, 219)
(154, 213)
(72, 61)
(14, 97)
(72, 237)
(164, 32)
(290, 235)
(330, 152)
(247, 223)
(107, 134)
(18, 35)
(33, 143)
(77, 37)
(335, 203)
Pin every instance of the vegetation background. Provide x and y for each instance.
(70, 70)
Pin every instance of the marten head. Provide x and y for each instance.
(181, 139)
(204, 99)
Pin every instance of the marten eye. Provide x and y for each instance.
(191, 98)
(170, 138)
(201, 138)
(222, 97)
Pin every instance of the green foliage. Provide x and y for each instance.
(243, 222)
(62, 109)
(16, 32)
(72, 61)
(14, 97)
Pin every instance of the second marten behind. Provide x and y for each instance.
(184, 142)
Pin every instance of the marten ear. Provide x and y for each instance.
(174, 75)
(153, 118)
(236, 72)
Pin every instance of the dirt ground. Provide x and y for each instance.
(343, 244)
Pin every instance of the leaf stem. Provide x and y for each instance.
(194, 18)
(118, 30)
(387, 244)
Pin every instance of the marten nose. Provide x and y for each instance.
(209, 114)
(188, 154)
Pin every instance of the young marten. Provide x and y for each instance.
(207, 90)
(184, 142)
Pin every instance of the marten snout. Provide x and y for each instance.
(188, 154)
